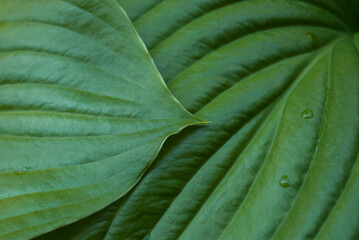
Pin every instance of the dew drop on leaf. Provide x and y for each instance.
(307, 114)
(312, 38)
(284, 181)
(18, 172)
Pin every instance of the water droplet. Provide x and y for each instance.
(307, 114)
(312, 38)
(284, 181)
(18, 172)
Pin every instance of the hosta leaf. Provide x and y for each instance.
(279, 81)
(84, 111)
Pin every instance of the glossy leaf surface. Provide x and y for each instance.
(83, 112)
(279, 81)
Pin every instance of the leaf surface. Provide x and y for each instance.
(279, 81)
(83, 112)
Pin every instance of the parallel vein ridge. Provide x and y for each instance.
(279, 82)
(83, 112)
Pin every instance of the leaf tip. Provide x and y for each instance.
(197, 120)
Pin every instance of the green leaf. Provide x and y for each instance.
(279, 81)
(84, 112)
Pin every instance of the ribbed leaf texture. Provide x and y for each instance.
(279, 81)
(83, 112)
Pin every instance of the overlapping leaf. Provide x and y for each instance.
(83, 112)
(279, 81)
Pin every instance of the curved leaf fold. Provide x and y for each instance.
(84, 112)
(279, 81)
